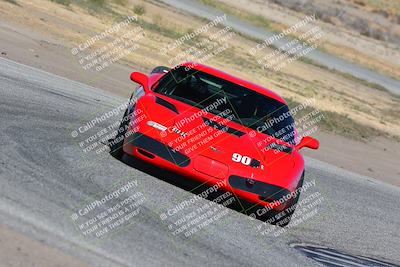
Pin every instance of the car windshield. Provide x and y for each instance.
(228, 100)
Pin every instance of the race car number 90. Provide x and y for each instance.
(236, 157)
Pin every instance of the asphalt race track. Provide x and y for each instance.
(45, 175)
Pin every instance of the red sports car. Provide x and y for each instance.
(218, 129)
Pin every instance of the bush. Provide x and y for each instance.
(139, 9)
(62, 2)
(121, 2)
(98, 3)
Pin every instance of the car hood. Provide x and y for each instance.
(194, 132)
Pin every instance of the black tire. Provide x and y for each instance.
(160, 69)
(116, 146)
(285, 220)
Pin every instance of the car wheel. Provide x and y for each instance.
(116, 146)
(286, 215)
(160, 69)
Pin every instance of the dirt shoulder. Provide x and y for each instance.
(377, 158)
(19, 250)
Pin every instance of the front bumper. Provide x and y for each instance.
(210, 172)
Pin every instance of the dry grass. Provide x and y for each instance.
(390, 7)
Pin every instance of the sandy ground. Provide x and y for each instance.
(18, 250)
(379, 158)
(40, 51)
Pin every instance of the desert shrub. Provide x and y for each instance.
(98, 3)
(139, 9)
(121, 2)
(62, 2)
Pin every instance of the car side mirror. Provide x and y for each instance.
(308, 141)
(141, 79)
